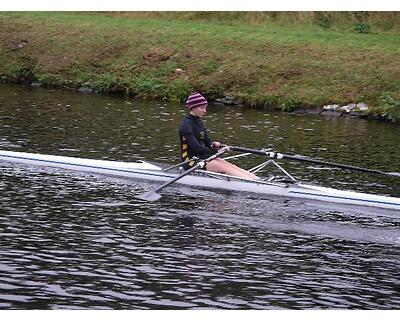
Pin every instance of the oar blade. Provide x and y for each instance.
(396, 174)
(150, 196)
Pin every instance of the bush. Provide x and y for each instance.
(148, 86)
(263, 102)
(362, 27)
(129, 84)
(49, 80)
(22, 70)
(269, 101)
(105, 82)
(291, 105)
(178, 90)
(391, 107)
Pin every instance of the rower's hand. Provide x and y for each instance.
(225, 149)
(216, 145)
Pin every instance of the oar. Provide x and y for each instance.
(278, 155)
(154, 195)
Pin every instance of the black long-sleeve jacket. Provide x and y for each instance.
(194, 139)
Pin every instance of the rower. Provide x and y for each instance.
(197, 145)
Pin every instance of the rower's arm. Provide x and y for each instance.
(196, 147)
(207, 140)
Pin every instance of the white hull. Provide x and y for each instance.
(148, 171)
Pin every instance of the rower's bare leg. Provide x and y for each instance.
(223, 166)
(243, 170)
(245, 173)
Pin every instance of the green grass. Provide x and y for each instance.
(168, 30)
(290, 61)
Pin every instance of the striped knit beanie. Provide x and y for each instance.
(196, 100)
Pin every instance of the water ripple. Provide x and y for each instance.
(81, 241)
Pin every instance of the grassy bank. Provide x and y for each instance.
(166, 57)
(360, 21)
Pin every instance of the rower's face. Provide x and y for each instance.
(200, 111)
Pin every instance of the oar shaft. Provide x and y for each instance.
(332, 164)
(249, 150)
(166, 184)
(278, 155)
(154, 196)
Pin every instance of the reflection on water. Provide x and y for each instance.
(80, 241)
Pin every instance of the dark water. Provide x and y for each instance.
(80, 241)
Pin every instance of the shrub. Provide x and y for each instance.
(291, 105)
(83, 78)
(49, 80)
(22, 70)
(148, 86)
(362, 27)
(269, 101)
(129, 84)
(391, 107)
(178, 90)
(105, 82)
(265, 102)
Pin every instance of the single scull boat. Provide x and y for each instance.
(289, 187)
